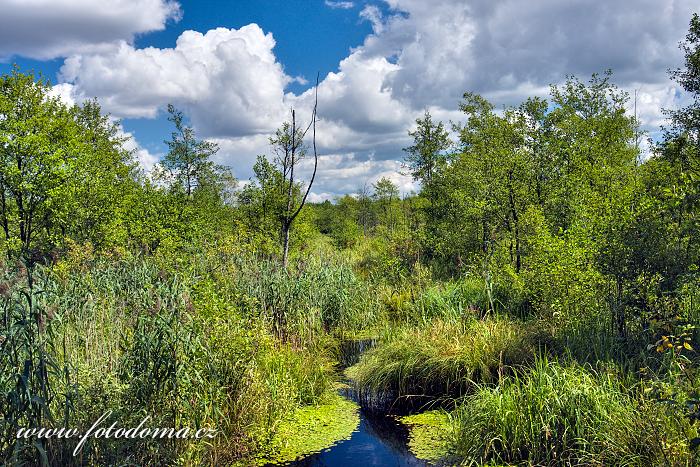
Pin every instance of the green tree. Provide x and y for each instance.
(188, 161)
(481, 195)
(289, 149)
(107, 172)
(663, 239)
(61, 169)
(685, 122)
(39, 151)
(386, 195)
(365, 213)
(677, 166)
(565, 171)
(262, 202)
(339, 220)
(427, 154)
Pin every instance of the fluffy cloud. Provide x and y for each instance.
(232, 88)
(420, 55)
(64, 92)
(446, 47)
(228, 80)
(347, 173)
(427, 54)
(357, 112)
(240, 153)
(337, 174)
(146, 159)
(652, 98)
(45, 29)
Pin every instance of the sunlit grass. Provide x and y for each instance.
(563, 415)
(446, 358)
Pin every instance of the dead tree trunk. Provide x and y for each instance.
(290, 213)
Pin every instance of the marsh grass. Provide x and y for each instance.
(184, 343)
(564, 414)
(35, 387)
(451, 301)
(229, 340)
(320, 295)
(419, 298)
(446, 359)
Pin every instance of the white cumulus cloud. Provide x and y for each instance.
(228, 80)
(420, 55)
(45, 29)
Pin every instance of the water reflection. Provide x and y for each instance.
(379, 440)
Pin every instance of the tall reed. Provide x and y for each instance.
(559, 414)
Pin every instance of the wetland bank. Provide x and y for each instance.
(536, 302)
(378, 435)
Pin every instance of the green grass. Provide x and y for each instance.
(190, 343)
(315, 296)
(564, 415)
(450, 301)
(446, 358)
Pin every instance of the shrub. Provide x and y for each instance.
(451, 301)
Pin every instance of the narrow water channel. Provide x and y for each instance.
(379, 440)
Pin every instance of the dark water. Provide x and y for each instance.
(379, 440)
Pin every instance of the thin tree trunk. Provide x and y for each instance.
(5, 226)
(514, 214)
(285, 247)
(289, 219)
(287, 224)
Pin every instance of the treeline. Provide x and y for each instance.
(554, 198)
(65, 174)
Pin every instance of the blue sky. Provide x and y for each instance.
(311, 37)
(236, 67)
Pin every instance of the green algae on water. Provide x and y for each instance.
(429, 435)
(311, 429)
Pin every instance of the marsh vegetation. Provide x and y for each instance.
(536, 303)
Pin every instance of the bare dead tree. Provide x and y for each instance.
(293, 151)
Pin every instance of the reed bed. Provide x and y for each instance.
(188, 344)
(566, 414)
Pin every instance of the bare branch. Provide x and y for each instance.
(313, 175)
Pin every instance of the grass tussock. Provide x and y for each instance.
(565, 415)
(446, 358)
